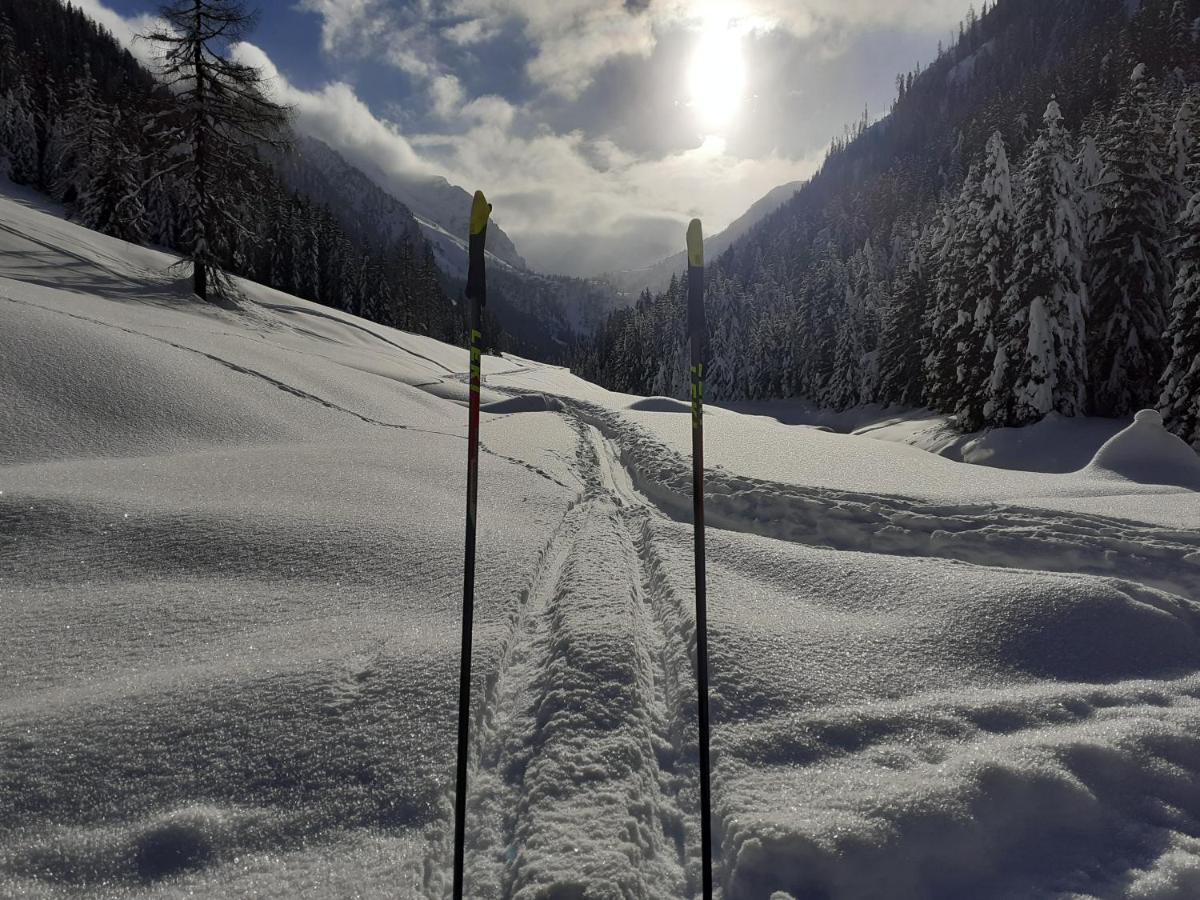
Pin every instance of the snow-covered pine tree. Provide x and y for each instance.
(807, 366)
(85, 119)
(841, 389)
(874, 288)
(1180, 152)
(1041, 360)
(18, 133)
(1180, 398)
(58, 137)
(1129, 283)
(728, 337)
(952, 313)
(112, 202)
(8, 53)
(1090, 169)
(220, 117)
(993, 216)
(900, 370)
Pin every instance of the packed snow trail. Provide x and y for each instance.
(583, 748)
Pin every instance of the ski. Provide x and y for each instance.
(698, 331)
(476, 293)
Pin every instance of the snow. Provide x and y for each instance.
(523, 404)
(232, 550)
(1147, 453)
(762, 448)
(1056, 444)
(230, 571)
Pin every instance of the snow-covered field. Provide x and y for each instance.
(230, 576)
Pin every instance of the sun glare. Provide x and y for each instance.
(717, 73)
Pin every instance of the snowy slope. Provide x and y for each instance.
(230, 563)
(231, 571)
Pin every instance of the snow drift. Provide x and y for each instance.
(230, 552)
(1147, 453)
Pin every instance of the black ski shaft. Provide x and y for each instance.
(476, 296)
(699, 341)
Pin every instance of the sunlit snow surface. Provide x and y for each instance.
(230, 577)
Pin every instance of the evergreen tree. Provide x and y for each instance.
(18, 134)
(900, 377)
(1180, 399)
(8, 53)
(842, 382)
(992, 215)
(85, 117)
(952, 315)
(112, 202)
(1041, 363)
(1090, 168)
(1129, 274)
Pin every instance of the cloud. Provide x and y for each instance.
(572, 204)
(348, 22)
(572, 40)
(125, 30)
(337, 116)
(446, 92)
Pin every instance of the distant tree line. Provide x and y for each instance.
(84, 122)
(1021, 236)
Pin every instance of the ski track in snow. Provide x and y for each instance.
(584, 755)
(988, 535)
(584, 742)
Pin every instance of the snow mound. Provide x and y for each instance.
(527, 403)
(1147, 453)
(1058, 444)
(660, 404)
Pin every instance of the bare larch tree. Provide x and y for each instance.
(220, 118)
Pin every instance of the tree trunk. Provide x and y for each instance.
(200, 183)
(200, 279)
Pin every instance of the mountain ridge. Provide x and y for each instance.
(656, 276)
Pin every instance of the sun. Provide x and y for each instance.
(716, 73)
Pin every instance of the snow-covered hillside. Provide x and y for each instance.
(230, 572)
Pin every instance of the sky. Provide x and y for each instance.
(597, 128)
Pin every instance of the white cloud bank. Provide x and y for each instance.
(573, 39)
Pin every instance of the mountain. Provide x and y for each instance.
(365, 207)
(541, 315)
(443, 209)
(657, 276)
(1016, 238)
(315, 169)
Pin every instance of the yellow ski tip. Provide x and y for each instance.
(480, 210)
(695, 244)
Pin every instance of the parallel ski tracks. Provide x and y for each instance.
(538, 780)
(585, 733)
